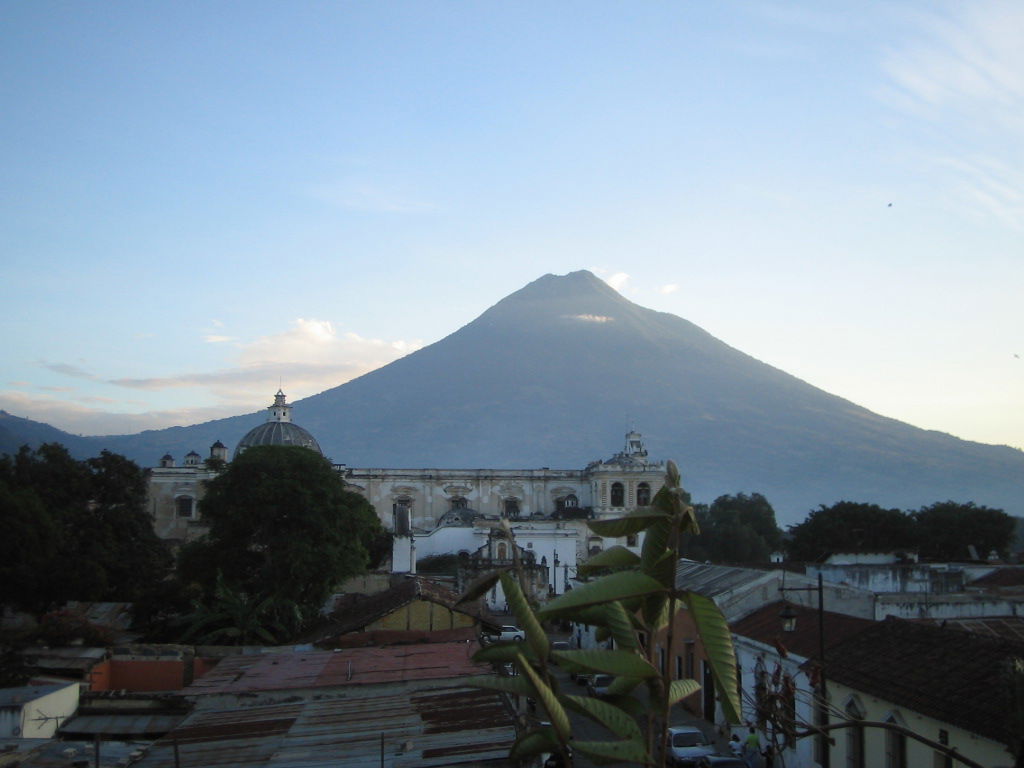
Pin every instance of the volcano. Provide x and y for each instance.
(554, 374)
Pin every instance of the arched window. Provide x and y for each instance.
(511, 508)
(502, 551)
(402, 510)
(643, 495)
(459, 502)
(185, 506)
(855, 736)
(571, 502)
(618, 495)
(895, 745)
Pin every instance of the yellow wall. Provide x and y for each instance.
(423, 615)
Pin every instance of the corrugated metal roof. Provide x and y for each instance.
(348, 667)
(712, 580)
(120, 725)
(423, 724)
(21, 695)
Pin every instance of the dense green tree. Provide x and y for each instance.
(849, 526)
(87, 533)
(284, 532)
(27, 549)
(736, 529)
(945, 529)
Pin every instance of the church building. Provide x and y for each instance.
(448, 511)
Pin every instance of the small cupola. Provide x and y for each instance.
(167, 461)
(635, 445)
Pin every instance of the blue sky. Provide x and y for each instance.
(203, 200)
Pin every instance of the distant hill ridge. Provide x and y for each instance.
(550, 374)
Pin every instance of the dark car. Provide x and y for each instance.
(598, 685)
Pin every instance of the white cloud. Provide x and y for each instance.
(591, 318)
(215, 339)
(963, 74)
(80, 419)
(309, 357)
(669, 288)
(618, 281)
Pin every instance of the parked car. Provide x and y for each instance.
(598, 684)
(688, 744)
(559, 645)
(507, 632)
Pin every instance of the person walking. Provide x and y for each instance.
(752, 749)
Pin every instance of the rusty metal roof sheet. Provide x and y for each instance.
(423, 724)
(347, 667)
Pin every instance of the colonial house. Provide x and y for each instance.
(950, 687)
(779, 650)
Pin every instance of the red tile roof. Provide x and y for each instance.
(764, 625)
(954, 676)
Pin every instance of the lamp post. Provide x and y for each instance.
(789, 617)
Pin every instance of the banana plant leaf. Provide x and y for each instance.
(550, 702)
(611, 717)
(714, 631)
(615, 586)
(613, 557)
(634, 522)
(535, 634)
(625, 663)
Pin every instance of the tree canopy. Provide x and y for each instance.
(283, 533)
(736, 529)
(75, 530)
(945, 529)
(941, 531)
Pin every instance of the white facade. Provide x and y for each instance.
(453, 511)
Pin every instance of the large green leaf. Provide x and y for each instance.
(479, 586)
(656, 540)
(611, 717)
(503, 652)
(634, 522)
(533, 743)
(620, 625)
(717, 639)
(624, 663)
(623, 686)
(614, 751)
(615, 586)
(535, 634)
(664, 569)
(517, 684)
(680, 689)
(559, 719)
(613, 557)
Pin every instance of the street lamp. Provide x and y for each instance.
(789, 616)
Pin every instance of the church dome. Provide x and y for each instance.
(278, 430)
